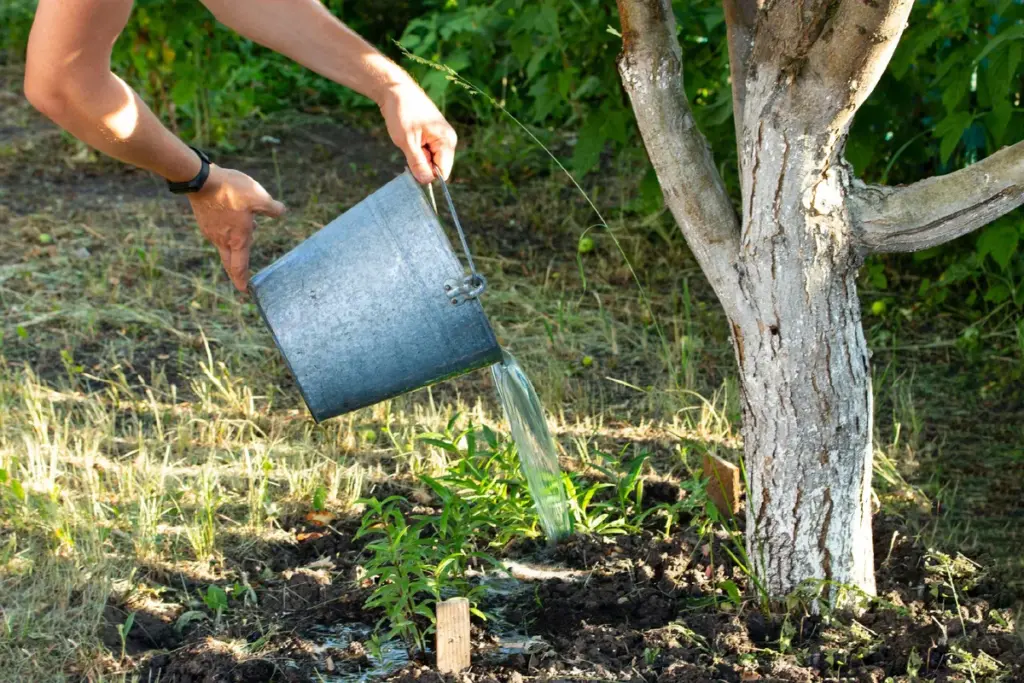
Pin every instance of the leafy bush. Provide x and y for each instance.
(552, 64)
(16, 18)
(950, 97)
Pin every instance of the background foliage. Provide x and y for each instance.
(951, 96)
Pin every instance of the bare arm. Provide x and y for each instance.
(308, 33)
(68, 78)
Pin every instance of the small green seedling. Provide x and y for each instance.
(123, 630)
(217, 601)
(320, 498)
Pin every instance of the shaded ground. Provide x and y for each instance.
(141, 358)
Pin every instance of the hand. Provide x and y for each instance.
(225, 209)
(419, 130)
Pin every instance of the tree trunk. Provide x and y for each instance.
(785, 271)
(803, 366)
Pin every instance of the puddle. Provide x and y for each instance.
(352, 662)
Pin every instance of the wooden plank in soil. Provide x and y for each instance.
(453, 646)
(724, 486)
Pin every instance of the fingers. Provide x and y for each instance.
(226, 213)
(235, 257)
(238, 266)
(419, 161)
(444, 157)
(442, 149)
(225, 259)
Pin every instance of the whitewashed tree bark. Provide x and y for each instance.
(785, 268)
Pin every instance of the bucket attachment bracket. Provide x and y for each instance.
(459, 291)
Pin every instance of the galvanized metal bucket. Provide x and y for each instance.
(376, 304)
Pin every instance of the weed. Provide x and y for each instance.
(625, 479)
(261, 508)
(980, 666)
(123, 630)
(201, 530)
(216, 600)
(949, 576)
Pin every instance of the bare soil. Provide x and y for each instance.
(638, 608)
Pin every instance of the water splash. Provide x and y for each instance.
(537, 456)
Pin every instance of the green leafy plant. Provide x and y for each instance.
(416, 564)
(319, 502)
(216, 600)
(399, 565)
(123, 630)
(626, 482)
(11, 488)
(980, 666)
(486, 479)
(589, 518)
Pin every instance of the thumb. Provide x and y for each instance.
(270, 207)
(265, 205)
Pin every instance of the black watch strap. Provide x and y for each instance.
(196, 183)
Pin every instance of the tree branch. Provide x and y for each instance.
(651, 66)
(855, 47)
(939, 209)
(740, 22)
(827, 55)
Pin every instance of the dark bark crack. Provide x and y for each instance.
(826, 554)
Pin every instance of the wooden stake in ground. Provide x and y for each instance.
(453, 635)
(723, 484)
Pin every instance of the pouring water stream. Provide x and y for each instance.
(537, 456)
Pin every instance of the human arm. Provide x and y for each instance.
(68, 78)
(308, 33)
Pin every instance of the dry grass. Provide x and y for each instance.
(148, 422)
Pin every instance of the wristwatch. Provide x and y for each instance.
(196, 183)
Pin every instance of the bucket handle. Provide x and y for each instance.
(474, 284)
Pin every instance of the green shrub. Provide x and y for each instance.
(950, 97)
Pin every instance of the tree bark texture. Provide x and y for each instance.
(785, 269)
(803, 368)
